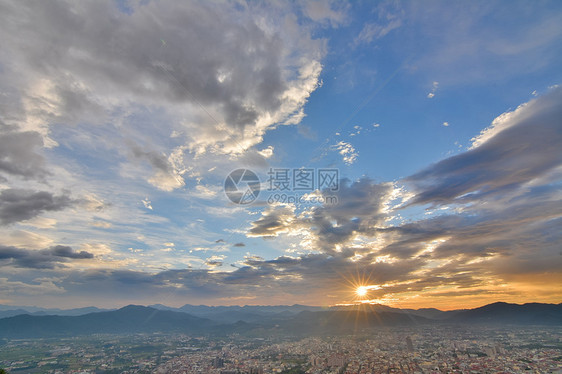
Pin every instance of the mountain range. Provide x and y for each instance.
(260, 320)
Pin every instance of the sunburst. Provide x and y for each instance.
(361, 291)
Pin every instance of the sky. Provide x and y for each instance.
(266, 153)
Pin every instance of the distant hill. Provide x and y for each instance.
(255, 309)
(10, 311)
(246, 313)
(513, 314)
(430, 313)
(270, 320)
(130, 319)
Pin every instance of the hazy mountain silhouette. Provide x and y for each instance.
(130, 319)
(516, 314)
(10, 311)
(266, 320)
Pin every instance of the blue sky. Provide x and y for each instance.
(121, 121)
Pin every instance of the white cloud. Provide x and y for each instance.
(206, 192)
(513, 118)
(267, 152)
(35, 287)
(373, 31)
(347, 151)
(96, 248)
(101, 61)
(102, 224)
(27, 239)
(431, 94)
(325, 11)
(388, 16)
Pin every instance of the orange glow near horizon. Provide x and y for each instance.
(363, 290)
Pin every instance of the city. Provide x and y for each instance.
(387, 350)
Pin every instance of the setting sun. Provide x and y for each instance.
(361, 291)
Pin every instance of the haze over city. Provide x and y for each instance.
(277, 153)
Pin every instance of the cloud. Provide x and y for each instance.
(373, 31)
(27, 239)
(83, 77)
(431, 94)
(266, 152)
(42, 259)
(215, 261)
(388, 15)
(275, 220)
(520, 147)
(361, 206)
(309, 278)
(239, 244)
(102, 224)
(500, 194)
(166, 177)
(19, 154)
(20, 204)
(35, 287)
(325, 11)
(480, 42)
(485, 243)
(205, 192)
(348, 152)
(101, 60)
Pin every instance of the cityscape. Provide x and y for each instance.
(399, 350)
(496, 338)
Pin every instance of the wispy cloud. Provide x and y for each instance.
(347, 151)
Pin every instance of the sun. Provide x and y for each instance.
(361, 291)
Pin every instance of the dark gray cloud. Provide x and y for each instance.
(311, 276)
(360, 208)
(157, 160)
(48, 258)
(19, 154)
(520, 147)
(275, 220)
(67, 252)
(20, 204)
